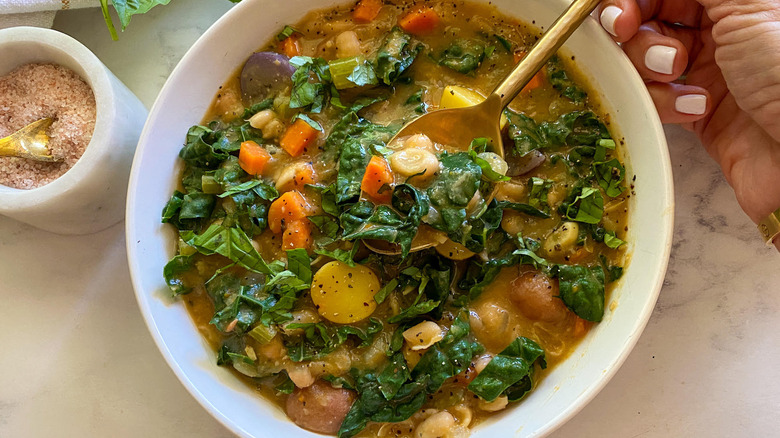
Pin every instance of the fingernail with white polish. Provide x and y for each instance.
(693, 104)
(608, 18)
(660, 59)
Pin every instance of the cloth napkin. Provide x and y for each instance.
(39, 13)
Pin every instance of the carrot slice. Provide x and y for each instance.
(297, 137)
(253, 158)
(419, 21)
(537, 81)
(288, 208)
(366, 10)
(377, 180)
(291, 46)
(297, 234)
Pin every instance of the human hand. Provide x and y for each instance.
(713, 66)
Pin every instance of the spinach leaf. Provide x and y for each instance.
(299, 263)
(463, 56)
(509, 368)
(344, 256)
(234, 302)
(352, 166)
(610, 175)
(582, 290)
(197, 205)
(560, 81)
(539, 188)
(395, 55)
(523, 208)
(364, 220)
(578, 128)
(199, 149)
(171, 210)
(451, 191)
(285, 33)
(504, 42)
(311, 96)
(587, 207)
(232, 243)
(409, 390)
(256, 108)
(320, 339)
(125, 9)
(172, 272)
(524, 131)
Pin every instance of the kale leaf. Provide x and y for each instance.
(463, 56)
(395, 55)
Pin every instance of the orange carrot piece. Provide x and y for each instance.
(419, 21)
(580, 327)
(288, 208)
(290, 46)
(537, 81)
(304, 175)
(297, 137)
(377, 180)
(366, 10)
(297, 234)
(253, 158)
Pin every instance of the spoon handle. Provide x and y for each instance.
(544, 49)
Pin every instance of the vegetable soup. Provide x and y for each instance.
(398, 288)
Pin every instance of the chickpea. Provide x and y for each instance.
(437, 425)
(494, 323)
(414, 161)
(348, 45)
(536, 295)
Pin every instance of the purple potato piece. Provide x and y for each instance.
(521, 165)
(264, 75)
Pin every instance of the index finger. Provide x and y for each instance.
(622, 18)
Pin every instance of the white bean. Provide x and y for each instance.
(348, 45)
(437, 425)
(273, 129)
(496, 405)
(563, 239)
(300, 375)
(262, 119)
(423, 335)
(414, 161)
(419, 141)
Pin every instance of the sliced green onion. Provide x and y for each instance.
(263, 334)
(210, 185)
(351, 72)
(607, 143)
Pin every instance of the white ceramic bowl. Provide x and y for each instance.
(183, 102)
(91, 195)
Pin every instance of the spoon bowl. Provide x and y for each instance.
(30, 142)
(457, 127)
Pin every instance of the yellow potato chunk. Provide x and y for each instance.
(454, 96)
(454, 250)
(344, 295)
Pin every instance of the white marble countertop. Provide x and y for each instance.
(77, 359)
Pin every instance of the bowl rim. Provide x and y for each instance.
(555, 422)
(97, 78)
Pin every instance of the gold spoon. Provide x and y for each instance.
(30, 142)
(459, 126)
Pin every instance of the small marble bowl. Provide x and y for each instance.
(91, 195)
